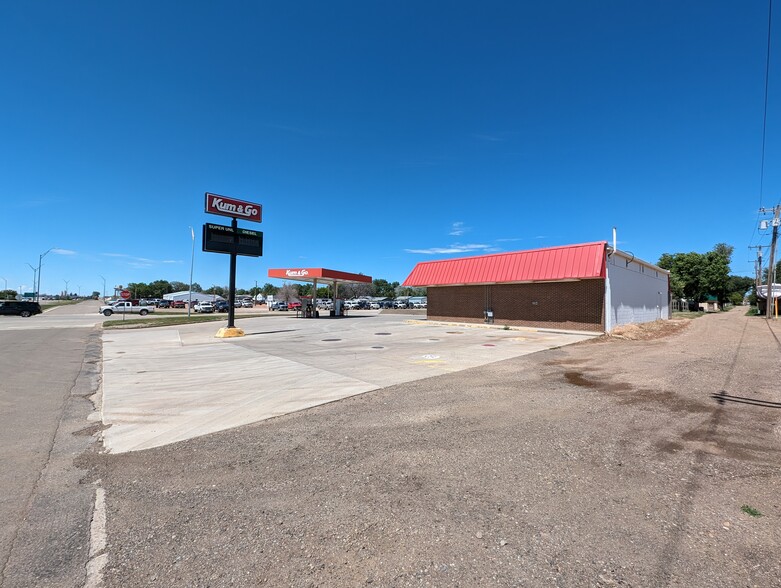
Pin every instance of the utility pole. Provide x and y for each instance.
(776, 211)
(757, 266)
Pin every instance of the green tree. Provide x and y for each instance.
(159, 288)
(139, 290)
(8, 294)
(269, 288)
(694, 276)
(384, 288)
(776, 275)
(736, 298)
(739, 284)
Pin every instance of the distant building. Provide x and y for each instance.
(586, 287)
(710, 304)
(199, 296)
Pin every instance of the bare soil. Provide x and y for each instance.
(627, 461)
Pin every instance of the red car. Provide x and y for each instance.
(294, 306)
(178, 304)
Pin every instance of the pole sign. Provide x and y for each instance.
(222, 239)
(125, 294)
(222, 205)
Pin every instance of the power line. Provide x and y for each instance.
(764, 117)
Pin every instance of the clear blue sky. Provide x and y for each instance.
(377, 134)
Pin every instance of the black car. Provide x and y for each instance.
(164, 304)
(221, 306)
(19, 307)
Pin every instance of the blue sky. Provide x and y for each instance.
(377, 134)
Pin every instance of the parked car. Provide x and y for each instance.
(278, 305)
(178, 304)
(374, 305)
(204, 307)
(247, 304)
(164, 304)
(352, 304)
(221, 306)
(400, 304)
(126, 307)
(294, 306)
(23, 308)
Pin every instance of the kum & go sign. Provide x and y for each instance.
(216, 204)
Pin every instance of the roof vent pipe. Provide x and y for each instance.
(614, 241)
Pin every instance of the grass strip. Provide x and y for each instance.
(167, 321)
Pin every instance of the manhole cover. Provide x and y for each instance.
(455, 332)
(331, 339)
(382, 333)
(433, 339)
(378, 347)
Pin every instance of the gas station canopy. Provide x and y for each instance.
(318, 274)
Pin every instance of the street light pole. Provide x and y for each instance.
(35, 272)
(66, 288)
(38, 287)
(192, 262)
(104, 286)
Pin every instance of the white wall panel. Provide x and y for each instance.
(636, 292)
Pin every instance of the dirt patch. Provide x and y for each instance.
(653, 330)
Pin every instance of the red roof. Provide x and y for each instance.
(582, 261)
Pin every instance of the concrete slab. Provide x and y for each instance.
(166, 385)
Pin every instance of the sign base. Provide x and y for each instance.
(226, 332)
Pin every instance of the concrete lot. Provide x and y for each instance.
(603, 464)
(170, 384)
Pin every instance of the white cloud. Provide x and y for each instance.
(140, 262)
(455, 248)
(63, 251)
(458, 229)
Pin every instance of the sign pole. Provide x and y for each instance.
(232, 283)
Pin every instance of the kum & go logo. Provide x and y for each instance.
(299, 273)
(222, 205)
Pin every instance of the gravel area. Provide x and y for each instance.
(606, 463)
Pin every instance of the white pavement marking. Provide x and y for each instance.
(97, 557)
(166, 385)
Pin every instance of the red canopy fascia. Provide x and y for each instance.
(309, 274)
(571, 262)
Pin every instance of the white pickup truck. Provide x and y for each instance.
(123, 307)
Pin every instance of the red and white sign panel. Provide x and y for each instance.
(125, 294)
(222, 205)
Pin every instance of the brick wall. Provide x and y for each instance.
(561, 305)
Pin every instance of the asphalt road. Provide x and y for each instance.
(49, 367)
(606, 463)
